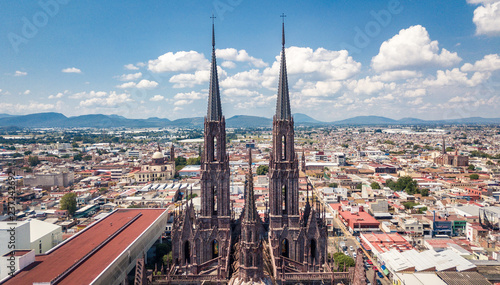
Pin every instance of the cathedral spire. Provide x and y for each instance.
(250, 209)
(214, 105)
(283, 104)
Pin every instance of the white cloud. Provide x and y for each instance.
(228, 64)
(461, 99)
(319, 88)
(245, 79)
(91, 94)
(239, 55)
(32, 106)
(189, 96)
(257, 101)
(20, 73)
(112, 100)
(456, 77)
(415, 92)
(487, 18)
(396, 75)
(131, 76)
(179, 61)
(182, 102)
(146, 84)
(143, 84)
(410, 48)
(417, 101)
(189, 80)
(130, 66)
(236, 92)
(157, 98)
(27, 92)
(490, 62)
(71, 70)
(365, 86)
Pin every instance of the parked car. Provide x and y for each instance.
(351, 248)
(379, 282)
(380, 274)
(354, 255)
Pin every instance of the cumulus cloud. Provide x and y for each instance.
(244, 79)
(415, 92)
(396, 75)
(112, 100)
(490, 62)
(239, 55)
(71, 70)
(27, 92)
(236, 92)
(228, 64)
(318, 88)
(91, 94)
(20, 73)
(180, 61)
(129, 77)
(32, 106)
(456, 77)
(365, 86)
(487, 18)
(143, 84)
(187, 98)
(130, 66)
(157, 98)
(410, 48)
(189, 80)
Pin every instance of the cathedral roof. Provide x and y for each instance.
(157, 155)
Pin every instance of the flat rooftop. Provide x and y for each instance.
(57, 261)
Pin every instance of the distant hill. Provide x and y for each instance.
(366, 120)
(242, 121)
(303, 118)
(58, 120)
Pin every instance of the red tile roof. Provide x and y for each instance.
(48, 266)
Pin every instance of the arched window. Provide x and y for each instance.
(283, 148)
(214, 158)
(214, 201)
(187, 253)
(215, 248)
(285, 248)
(313, 249)
(284, 199)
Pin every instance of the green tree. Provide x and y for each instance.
(194, 161)
(262, 169)
(74, 145)
(407, 184)
(33, 160)
(180, 160)
(16, 154)
(375, 185)
(359, 186)
(167, 259)
(87, 157)
(333, 185)
(77, 157)
(28, 152)
(489, 162)
(68, 202)
(471, 167)
(422, 210)
(191, 196)
(424, 192)
(341, 259)
(474, 176)
(409, 205)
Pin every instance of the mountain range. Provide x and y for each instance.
(58, 120)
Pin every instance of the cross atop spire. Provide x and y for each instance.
(214, 104)
(283, 104)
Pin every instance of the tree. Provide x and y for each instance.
(422, 210)
(180, 160)
(474, 176)
(33, 160)
(342, 259)
(359, 186)
(262, 169)
(68, 202)
(77, 157)
(194, 161)
(375, 185)
(333, 185)
(489, 162)
(191, 196)
(424, 192)
(409, 205)
(16, 154)
(471, 167)
(87, 157)
(28, 152)
(405, 183)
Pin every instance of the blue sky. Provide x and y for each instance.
(140, 59)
